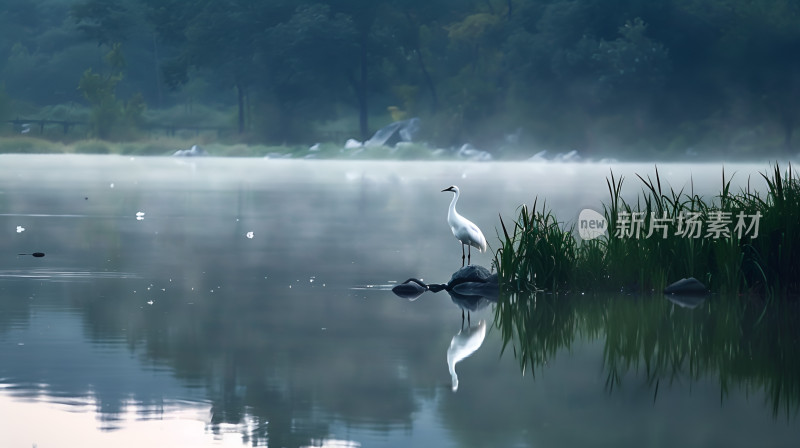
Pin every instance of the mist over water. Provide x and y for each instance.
(231, 302)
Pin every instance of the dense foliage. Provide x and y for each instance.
(655, 76)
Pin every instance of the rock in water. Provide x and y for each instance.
(473, 282)
(409, 289)
(35, 254)
(686, 286)
(469, 273)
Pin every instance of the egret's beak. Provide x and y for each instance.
(447, 189)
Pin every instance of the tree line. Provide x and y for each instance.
(660, 75)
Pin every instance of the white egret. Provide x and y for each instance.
(463, 229)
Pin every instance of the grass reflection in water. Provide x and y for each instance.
(737, 343)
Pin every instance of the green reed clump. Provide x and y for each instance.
(733, 242)
(537, 253)
(770, 261)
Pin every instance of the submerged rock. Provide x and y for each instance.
(687, 286)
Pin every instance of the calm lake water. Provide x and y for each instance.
(241, 302)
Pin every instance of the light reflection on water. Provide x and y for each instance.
(181, 330)
(46, 423)
(65, 276)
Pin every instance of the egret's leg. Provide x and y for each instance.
(462, 255)
(469, 254)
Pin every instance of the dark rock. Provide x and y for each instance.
(469, 273)
(410, 289)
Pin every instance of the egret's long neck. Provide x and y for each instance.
(451, 365)
(452, 211)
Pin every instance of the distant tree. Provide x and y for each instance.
(415, 21)
(738, 57)
(108, 114)
(18, 20)
(305, 62)
(5, 103)
(99, 92)
(630, 67)
(104, 21)
(364, 16)
(762, 47)
(219, 36)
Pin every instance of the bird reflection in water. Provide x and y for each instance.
(472, 288)
(464, 343)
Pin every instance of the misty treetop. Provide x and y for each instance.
(665, 76)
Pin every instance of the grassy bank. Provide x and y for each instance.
(661, 237)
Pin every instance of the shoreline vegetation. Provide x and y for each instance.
(661, 80)
(735, 243)
(169, 145)
(557, 290)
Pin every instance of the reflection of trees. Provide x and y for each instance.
(739, 342)
(263, 360)
(257, 355)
